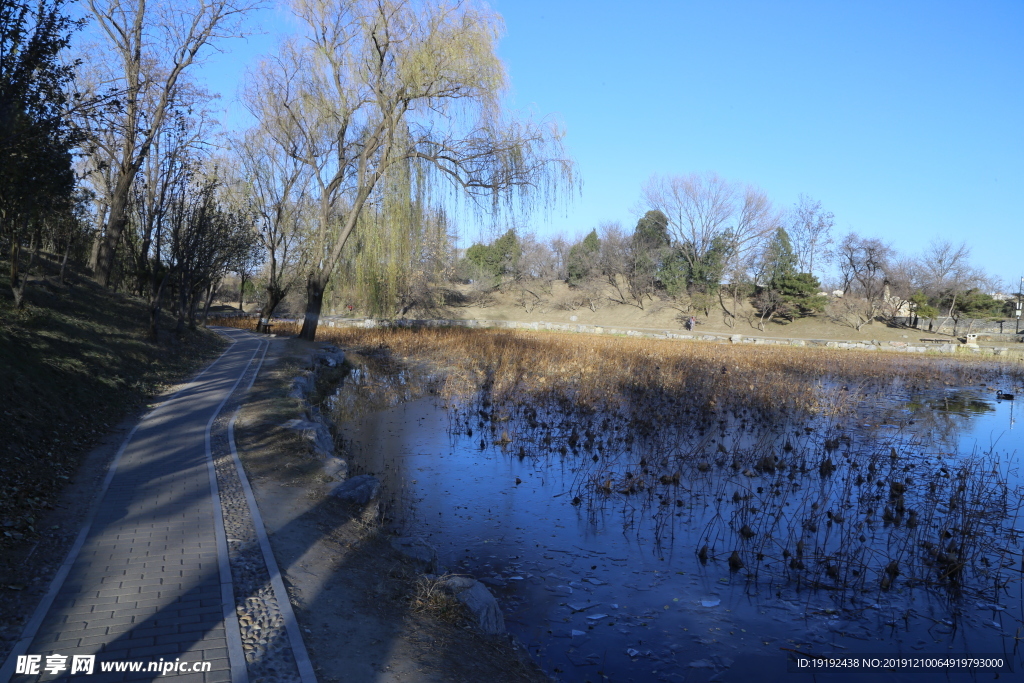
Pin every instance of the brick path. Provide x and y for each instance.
(149, 580)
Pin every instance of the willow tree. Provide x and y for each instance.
(399, 97)
(395, 265)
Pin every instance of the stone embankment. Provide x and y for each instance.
(364, 490)
(950, 347)
(314, 425)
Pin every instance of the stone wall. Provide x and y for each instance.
(976, 326)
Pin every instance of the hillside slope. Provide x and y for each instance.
(73, 362)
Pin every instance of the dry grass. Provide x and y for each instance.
(598, 373)
(432, 596)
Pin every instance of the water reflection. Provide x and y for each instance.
(680, 548)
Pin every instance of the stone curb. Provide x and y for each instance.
(236, 656)
(302, 661)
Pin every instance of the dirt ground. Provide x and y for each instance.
(354, 596)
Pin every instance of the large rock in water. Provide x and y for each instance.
(417, 551)
(360, 489)
(336, 468)
(479, 601)
(317, 433)
(331, 356)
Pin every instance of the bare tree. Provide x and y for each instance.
(560, 247)
(614, 258)
(177, 153)
(152, 44)
(389, 98)
(738, 284)
(712, 219)
(810, 229)
(852, 311)
(699, 208)
(703, 207)
(206, 238)
(903, 280)
(274, 184)
(863, 264)
(947, 273)
(536, 271)
(538, 261)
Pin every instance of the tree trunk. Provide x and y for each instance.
(274, 297)
(64, 259)
(94, 251)
(37, 243)
(315, 286)
(241, 294)
(730, 316)
(209, 301)
(116, 221)
(154, 309)
(16, 286)
(195, 296)
(183, 292)
(18, 283)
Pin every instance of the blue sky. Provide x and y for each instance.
(905, 119)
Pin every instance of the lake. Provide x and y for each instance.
(688, 547)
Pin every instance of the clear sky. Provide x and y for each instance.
(905, 119)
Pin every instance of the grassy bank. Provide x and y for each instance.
(75, 361)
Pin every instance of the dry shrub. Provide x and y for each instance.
(433, 597)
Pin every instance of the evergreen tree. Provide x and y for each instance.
(786, 293)
(36, 137)
(705, 272)
(580, 262)
(499, 258)
(921, 308)
(779, 262)
(648, 249)
(651, 233)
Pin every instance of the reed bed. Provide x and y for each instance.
(603, 373)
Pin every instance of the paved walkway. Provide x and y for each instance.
(150, 582)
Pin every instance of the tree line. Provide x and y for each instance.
(376, 124)
(373, 122)
(713, 248)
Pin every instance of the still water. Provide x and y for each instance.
(720, 567)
